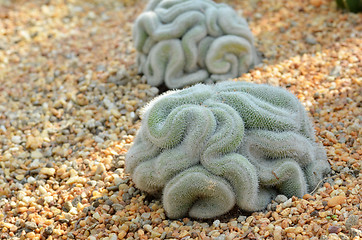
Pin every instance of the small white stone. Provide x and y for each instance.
(281, 198)
(47, 171)
(174, 225)
(98, 139)
(338, 181)
(42, 190)
(154, 91)
(147, 227)
(31, 180)
(113, 236)
(233, 223)
(241, 218)
(26, 199)
(36, 154)
(3, 128)
(73, 211)
(100, 169)
(7, 156)
(21, 195)
(96, 215)
(117, 180)
(214, 233)
(76, 179)
(48, 199)
(277, 233)
(108, 104)
(287, 203)
(221, 237)
(146, 215)
(113, 137)
(132, 115)
(216, 223)
(16, 139)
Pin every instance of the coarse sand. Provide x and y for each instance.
(70, 99)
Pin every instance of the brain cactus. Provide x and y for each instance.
(209, 147)
(183, 42)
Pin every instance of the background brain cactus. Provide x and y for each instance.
(206, 148)
(182, 42)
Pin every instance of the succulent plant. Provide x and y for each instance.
(183, 42)
(209, 147)
(351, 5)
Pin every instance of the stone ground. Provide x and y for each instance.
(70, 99)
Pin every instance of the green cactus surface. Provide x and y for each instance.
(185, 42)
(351, 5)
(209, 147)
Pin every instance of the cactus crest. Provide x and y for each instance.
(185, 42)
(209, 147)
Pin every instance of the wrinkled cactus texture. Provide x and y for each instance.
(209, 147)
(183, 42)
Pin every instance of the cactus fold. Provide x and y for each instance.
(185, 42)
(209, 147)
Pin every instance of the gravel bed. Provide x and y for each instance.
(70, 99)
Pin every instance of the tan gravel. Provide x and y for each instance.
(69, 109)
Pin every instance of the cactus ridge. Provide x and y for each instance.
(198, 193)
(233, 142)
(181, 43)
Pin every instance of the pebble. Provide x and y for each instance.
(133, 227)
(19, 177)
(334, 201)
(333, 236)
(31, 180)
(76, 179)
(334, 229)
(277, 233)
(96, 216)
(100, 169)
(281, 199)
(98, 139)
(47, 171)
(216, 223)
(241, 218)
(36, 154)
(310, 39)
(214, 233)
(31, 225)
(154, 91)
(146, 215)
(220, 237)
(117, 207)
(147, 227)
(174, 225)
(308, 196)
(67, 206)
(48, 230)
(48, 199)
(16, 139)
(113, 236)
(316, 3)
(287, 203)
(336, 71)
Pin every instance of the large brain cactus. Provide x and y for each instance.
(182, 42)
(209, 147)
